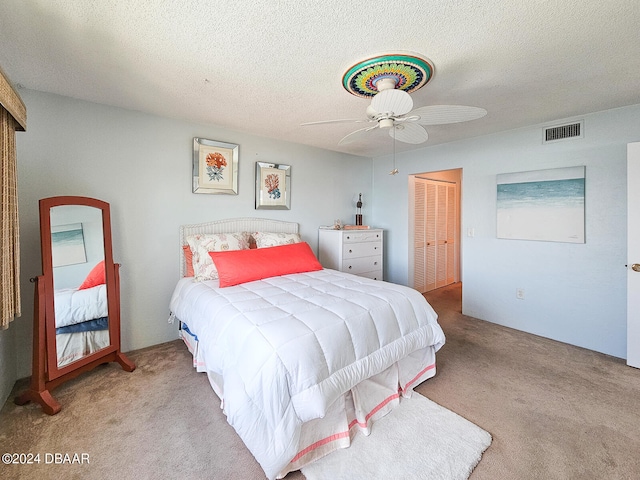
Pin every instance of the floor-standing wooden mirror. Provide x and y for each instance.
(77, 298)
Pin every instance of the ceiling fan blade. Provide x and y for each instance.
(409, 133)
(443, 114)
(392, 102)
(345, 120)
(353, 136)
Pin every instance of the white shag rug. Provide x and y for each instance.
(418, 439)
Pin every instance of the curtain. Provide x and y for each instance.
(13, 116)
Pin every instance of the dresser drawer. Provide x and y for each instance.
(375, 275)
(362, 264)
(363, 249)
(362, 236)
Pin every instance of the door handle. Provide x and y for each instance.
(635, 267)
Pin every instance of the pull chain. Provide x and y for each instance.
(395, 170)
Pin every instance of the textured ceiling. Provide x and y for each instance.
(266, 66)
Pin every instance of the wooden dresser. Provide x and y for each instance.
(352, 251)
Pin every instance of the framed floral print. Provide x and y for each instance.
(215, 167)
(273, 186)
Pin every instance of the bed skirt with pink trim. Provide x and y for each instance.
(354, 412)
(357, 410)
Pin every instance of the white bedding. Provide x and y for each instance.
(76, 306)
(287, 348)
(71, 347)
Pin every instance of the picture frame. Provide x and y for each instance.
(543, 205)
(215, 167)
(68, 245)
(273, 186)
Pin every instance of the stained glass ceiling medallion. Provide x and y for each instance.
(409, 72)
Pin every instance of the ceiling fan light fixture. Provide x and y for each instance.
(389, 80)
(386, 123)
(386, 83)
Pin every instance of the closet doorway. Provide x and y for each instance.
(434, 236)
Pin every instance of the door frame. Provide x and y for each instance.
(453, 175)
(633, 254)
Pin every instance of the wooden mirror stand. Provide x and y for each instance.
(76, 246)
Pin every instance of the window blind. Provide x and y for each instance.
(13, 117)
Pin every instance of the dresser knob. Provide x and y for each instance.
(350, 251)
(375, 263)
(349, 267)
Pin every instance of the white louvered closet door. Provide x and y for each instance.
(435, 226)
(430, 221)
(452, 258)
(419, 239)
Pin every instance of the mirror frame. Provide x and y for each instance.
(113, 304)
(46, 374)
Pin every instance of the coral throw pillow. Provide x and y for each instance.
(96, 277)
(188, 261)
(236, 267)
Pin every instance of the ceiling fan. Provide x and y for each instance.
(390, 79)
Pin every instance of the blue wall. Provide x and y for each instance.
(141, 164)
(574, 293)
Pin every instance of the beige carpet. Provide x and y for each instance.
(554, 411)
(418, 440)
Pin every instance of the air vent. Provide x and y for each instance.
(563, 132)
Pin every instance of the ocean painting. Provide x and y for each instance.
(67, 245)
(545, 205)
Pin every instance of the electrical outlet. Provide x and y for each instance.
(520, 293)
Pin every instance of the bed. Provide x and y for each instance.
(82, 324)
(301, 361)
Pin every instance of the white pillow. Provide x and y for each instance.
(202, 244)
(271, 239)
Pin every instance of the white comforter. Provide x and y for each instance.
(76, 306)
(287, 347)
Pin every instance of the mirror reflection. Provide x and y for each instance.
(79, 282)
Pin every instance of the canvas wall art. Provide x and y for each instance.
(67, 245)
(545, 205)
